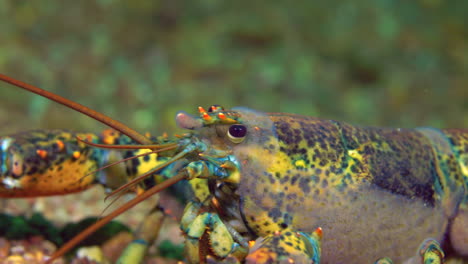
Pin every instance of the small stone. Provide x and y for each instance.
(15, 259)
(92, 254)
(116, 245)
(4, 248)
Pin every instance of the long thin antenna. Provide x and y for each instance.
(111, 146)
(80, 108)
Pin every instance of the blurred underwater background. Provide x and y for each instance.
(380, 63)
(392, 63)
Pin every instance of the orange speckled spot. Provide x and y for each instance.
(262, 255)
(109, 136)
(206, 116)
(60, 145)
(139, 190)
(42, 153)
(201, 110)
(319, 232)
(76, 154)
(251, 243)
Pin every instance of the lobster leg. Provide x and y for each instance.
(430, 252)
(146, 234)
(195, 226)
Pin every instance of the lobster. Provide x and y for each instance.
(266, 185)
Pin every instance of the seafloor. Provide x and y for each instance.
(75, 207)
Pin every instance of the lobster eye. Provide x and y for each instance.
(236, 133)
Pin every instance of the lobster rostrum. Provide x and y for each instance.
(265, 185)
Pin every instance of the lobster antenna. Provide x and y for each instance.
(112, 146)
(111, 203)
(80, 108)
(91, 229)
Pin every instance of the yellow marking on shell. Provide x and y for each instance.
(200, 188)
(291, 248)
(145, 166)
(264, 224)
(234, 175)
(464, 164)
(357, 159)
(63, 178)
(76, 154)
(276, 163)
(354, 154)
(279, 163)
(300, 163)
